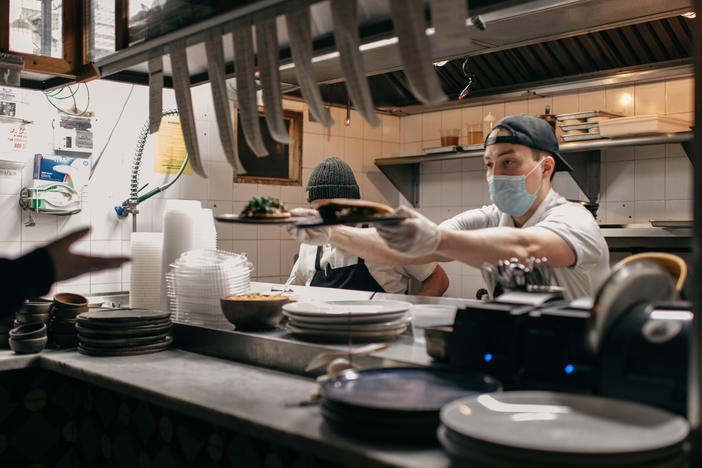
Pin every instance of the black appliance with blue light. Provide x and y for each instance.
(630, 343)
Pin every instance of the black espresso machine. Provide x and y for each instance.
(631, 342)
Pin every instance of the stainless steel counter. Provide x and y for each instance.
(280, 350)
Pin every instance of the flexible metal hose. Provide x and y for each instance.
(136, 162)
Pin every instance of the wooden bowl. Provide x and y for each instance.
(28, 331)
(70, 301)
(31, 346)
(254, 311)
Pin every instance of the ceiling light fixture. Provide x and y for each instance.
(689, 14)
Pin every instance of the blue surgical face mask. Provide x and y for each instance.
(509, 193)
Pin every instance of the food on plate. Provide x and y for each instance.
(350, 208)
(265, 207)
(256, 297)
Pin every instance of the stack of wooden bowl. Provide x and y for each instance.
(28, 338)
(123, 332)
(33, 311)
(62, 324)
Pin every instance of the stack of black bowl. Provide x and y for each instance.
(28, 338)
(64, 313)
(33, 311)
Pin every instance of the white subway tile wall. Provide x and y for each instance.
(636, 183)
(270, 249)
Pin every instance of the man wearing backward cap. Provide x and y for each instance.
(527, 218)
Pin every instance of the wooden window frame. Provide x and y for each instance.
(74, 36)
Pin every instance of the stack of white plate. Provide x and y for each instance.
(145, 279)
(199, 278)
(546, 429)
(343, 320)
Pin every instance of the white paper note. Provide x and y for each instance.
(298, 23)
(246, 88)
(409, 24)
(345, 18)
(216, 73)
(155, 93)
(449, 20)
(268, 58)
(181, 85)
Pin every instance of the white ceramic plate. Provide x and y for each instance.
(344, 335)
(564, 423)
(346, 308)
(353, 327)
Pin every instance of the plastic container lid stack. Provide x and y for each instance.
(186, 226)
(199, 278)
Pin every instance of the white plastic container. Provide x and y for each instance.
(642, 125)
(425, 315)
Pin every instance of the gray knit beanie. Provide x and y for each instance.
(332, 178)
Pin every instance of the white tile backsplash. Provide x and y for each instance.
(678, 179)
(647, 176)
(620, 184)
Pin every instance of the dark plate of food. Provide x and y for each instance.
(261, 210)
(351, 211)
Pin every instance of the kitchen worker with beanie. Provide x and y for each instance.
(329, 266)
(527, 218)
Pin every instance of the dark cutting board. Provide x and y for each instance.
(120, 342)
(144, 330)
(126, 351)
(124, 315)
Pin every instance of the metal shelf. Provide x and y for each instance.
(584, 156)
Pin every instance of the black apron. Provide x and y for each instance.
(356, 277)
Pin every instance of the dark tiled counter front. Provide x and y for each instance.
(173, 408)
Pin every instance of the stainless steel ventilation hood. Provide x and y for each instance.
(509, 24)
(530, 23)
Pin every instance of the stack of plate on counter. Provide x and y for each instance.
(343, 320)
(199, 278)
(396, 404)
(545, 429)
(123, 332)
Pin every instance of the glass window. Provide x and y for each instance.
(101, 29)
(36, 27)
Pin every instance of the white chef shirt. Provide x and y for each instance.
(572, 222)
(394, 280)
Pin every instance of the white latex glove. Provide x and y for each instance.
(416, 236)
(313, 236)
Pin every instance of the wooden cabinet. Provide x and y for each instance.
(57, 38)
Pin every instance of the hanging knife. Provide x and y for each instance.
(216, 73)
(268, 57)
(298, 23)
(181, 84)
(155, 93)
(345, 18)
(246, 88)
(409, 24)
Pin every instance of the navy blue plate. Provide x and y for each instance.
(405, 388)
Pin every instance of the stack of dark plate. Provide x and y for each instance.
(123, 332)
(62, 324)
(545, 429)
(396, 404)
